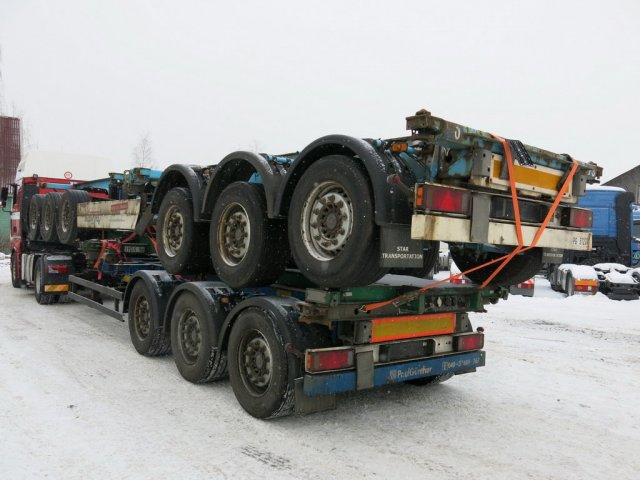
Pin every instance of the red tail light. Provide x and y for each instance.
(61, 269)
(444, 199)
(321, 360)
(470, 341)
(581, 218)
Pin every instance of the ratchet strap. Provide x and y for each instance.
(413, 295)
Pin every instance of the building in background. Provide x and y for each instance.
(629, 180)
(9, 160)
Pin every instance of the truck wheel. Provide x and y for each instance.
(194, 341)
(570, 286)
(15, 278)
(429, 260)
(258, 368)
(144, 323)
(35, 212)
(247, 248)
(334, 239)
(433, 380)
(41, 297)
(521, 267)
(67, 224)
(182, 243)
(49, 216)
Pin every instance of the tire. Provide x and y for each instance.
(147, 336)
(570, 288)
(182, 243)
(67, 218)
(49, 216)
(260, 374)
(332, 233)
(247, 248)
(433, 380)
(429, 262)
(521, 267)
(36, 206)
(41, 297)
(15, 278)
(194, 341)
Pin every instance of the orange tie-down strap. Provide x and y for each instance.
(504, 259)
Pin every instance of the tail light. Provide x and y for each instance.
(580, 217)
(60, 269)
(586, 286)
(469, 341)
(322, 360)
(443, 199)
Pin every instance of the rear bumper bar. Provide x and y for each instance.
(347, 381)
(457, 229)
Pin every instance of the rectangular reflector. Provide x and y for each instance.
(469, 341)
(445, 199)
(581, 218)
(412, 326)
(56, 288)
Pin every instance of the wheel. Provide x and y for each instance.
(194, 341)
(15, 278)
(570, 288)
(35, 211)
(247, 248)
(259, 371)
(48, 216)
(429, 262)
(433, 380)
(520, 268)
(67, 218)
(41, 297)
(333, 237)
(182, 243)
(147, 336)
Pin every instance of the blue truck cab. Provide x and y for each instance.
(635, 245)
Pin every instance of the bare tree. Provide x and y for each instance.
(143, 153)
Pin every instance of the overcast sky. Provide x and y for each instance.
(205, 78)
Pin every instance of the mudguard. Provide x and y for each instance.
(239, 166)
(179, 175)
(391, 204)
(159, 282)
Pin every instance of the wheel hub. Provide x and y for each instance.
(327, 220)
(233, 234)
(256, 362)
(142, 318)
(173, 232)
(190, 335)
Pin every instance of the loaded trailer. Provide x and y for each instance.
(271, 268)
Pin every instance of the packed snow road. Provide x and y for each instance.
(558, 399)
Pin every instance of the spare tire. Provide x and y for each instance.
(332, 231)
(67, 218)
(521, 267)
(247, 248)
(49, 216)
(33, 219)
(182, 243)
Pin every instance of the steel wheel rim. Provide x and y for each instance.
(234, 232)
(256, 362)
(65, 217)
(189, 336)
(173, 231)
(38, 281)
(327, 220)
(33, 218)
(47, 217)
(142, 318)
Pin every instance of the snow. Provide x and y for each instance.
(580, 272)
(605, 188)
(557, 400)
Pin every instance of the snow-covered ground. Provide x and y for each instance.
(558, 399)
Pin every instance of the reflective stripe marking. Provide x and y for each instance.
(56, 288)
(411, 326)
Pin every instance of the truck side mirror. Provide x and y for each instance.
(4, 194)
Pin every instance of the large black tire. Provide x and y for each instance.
(15, 278)
(520, 268)
(194, 341)
(36, 206)
(429, 260)
(570, 289)
(260, 374)
(332, 233)
(247, 248)
(67, 218)
(182, 243)
(41, 297)
(49, 216)
(147, 336)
